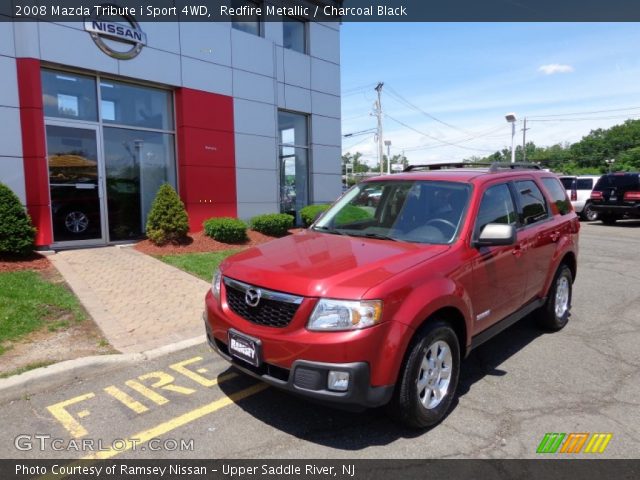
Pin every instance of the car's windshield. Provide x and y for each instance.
(412, 211)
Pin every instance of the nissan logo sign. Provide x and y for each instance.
(252, 297)
(108, 36)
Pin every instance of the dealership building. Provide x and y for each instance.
(242, 118)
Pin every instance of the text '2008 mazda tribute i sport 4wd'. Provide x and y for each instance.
(378, 304)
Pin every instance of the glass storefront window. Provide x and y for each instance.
(136, 106)
(294, 162)
(137, 163)
(69, 95)
(294, 35)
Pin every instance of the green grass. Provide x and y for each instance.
(26, 368)
(201, 265)
(28, 302)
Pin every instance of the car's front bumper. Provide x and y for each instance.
(309, 378)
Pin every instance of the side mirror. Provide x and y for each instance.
(494, 234)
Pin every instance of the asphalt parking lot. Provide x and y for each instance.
(514, 389)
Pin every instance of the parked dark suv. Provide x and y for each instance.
(616, 196)
(378, 304)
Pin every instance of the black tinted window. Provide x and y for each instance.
(585, 184)
(534, 208)
(558, 194)
(496, 207)
(625, 180)
(567, 182)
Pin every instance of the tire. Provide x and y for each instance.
(416, 403)
(608, 219)
(554, 314)
(75, 221)
(588, 214)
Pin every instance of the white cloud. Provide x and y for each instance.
(553, 68)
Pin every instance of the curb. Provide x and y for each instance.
(58, 374)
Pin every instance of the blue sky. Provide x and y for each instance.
(469, 75)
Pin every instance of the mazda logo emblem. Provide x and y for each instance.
(252, 297)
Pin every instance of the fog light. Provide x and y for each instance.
(338, 381)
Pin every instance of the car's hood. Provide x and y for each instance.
(320, 264)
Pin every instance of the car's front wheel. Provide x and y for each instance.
(554, 314)
(428, 381)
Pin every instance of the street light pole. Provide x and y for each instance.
(511, 118)
(379, 115)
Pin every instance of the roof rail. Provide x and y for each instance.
(495, 166)
(439, 166)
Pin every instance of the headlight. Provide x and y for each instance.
(215, 284)
(333, 315)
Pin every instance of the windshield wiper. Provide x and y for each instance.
(329, 230)
(381, 236)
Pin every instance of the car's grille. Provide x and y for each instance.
(273, 309)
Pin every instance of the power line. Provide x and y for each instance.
(357, 143)
(434, 138)
(612, 117)
(583, 113)
(484, 134)
(394, 94)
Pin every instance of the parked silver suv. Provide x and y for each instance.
(579, 191)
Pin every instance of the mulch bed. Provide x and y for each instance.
(199, 242)
(34, 261)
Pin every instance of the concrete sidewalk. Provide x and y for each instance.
(138, 302)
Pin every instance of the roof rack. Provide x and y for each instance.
(440, 166)
(493, 167)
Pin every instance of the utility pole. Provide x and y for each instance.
(378, 113)
(524, 140)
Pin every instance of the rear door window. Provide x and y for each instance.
(534, 206)
(558, 194)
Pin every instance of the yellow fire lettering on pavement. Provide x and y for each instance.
(165, 381)
(66, 419)
(125, 399)
(181, 367)
(184, 419)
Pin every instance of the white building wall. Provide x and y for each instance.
(257, 71)
(11, 162)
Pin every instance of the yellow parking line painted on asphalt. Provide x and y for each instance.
(184, 419)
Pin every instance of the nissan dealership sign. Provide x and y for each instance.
(118, 40)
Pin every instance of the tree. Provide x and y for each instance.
(396, 159)
(16, 231)
(167, 220)
(357, 166)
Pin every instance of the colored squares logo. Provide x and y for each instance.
(574, 442)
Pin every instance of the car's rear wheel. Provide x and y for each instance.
(76, 221)
(608, 219)
(428, 381)
(588, 213)
(554, 314)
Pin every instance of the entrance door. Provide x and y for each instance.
(75, 183)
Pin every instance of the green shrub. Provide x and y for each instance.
(351, 214)
(167, 220)
(309, 213)
(16, 231)
(226, 229)
(273, 224)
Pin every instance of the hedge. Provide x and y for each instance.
(226, 229)
(16, 231)
(310, 212)
(273, 224)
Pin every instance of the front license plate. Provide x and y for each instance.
(245, 348)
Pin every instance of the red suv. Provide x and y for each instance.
(377, 305)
